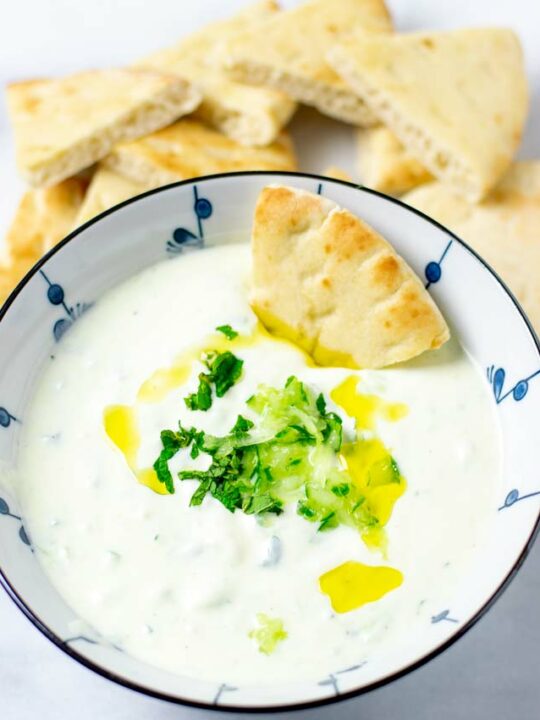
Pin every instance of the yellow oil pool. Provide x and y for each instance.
(365, 408)
(120, 422)
(353, 584)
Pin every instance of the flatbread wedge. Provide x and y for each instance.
(287, 53)
(42, 219)
(190, 149)
(503, 229)
(456, 100)
(333, 171)
(107, 189)
(251, 116)
(11, 273)
(385, 165)
(326, 280)
(64, 125)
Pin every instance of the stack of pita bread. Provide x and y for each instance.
(439, 116)
(89, 141)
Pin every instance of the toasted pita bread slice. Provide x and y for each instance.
(333, 171)
(503, 229)
(190, 149)
(42, 219)
(7, 283)
(62, 126)
(456, 100)
(251, 116)
(11, 273)
(287, 52)
(326, 280)
(107, 189)
(385, 165)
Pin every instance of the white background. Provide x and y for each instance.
(493, 672)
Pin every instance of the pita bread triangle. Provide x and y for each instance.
(43, 218)
(456, 100)
(286, 52)
(326, 280)
(190, 149)
(249, 115)
(385, 165)
(107, 188)
(64, 125)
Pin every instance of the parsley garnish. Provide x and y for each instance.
(224, 369)
(236, 476)
(241, 426)
(202, 399)
(172, 442)
(227, 330)
(341, 490)
(250, 464)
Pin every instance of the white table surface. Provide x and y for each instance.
(494, 671)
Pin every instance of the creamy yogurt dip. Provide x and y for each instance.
(180, 587)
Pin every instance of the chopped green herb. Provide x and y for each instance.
(224, 371)
(259, 466)
(341, 490)
(287, 451)
(161, 466)
(172, 442)
(227, 331)
(232, 475)
(259, 504)
(202, 399)
(242, 426)
(303, 509)
(269, 634)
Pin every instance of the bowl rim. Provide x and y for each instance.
(307, 704)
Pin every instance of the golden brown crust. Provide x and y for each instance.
(107, 188)
(325, 278)
(189, 148)
(42, 219)
(333, 171)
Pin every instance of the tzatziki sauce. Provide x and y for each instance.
(181, 587)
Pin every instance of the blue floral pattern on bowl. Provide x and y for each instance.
(518, 391)
(6, 418)
(433, 269)
(6, 512)
(181, 237)
(57, 297)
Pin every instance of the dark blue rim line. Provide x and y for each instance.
(43, 628)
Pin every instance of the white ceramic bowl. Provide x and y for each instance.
(213, 210)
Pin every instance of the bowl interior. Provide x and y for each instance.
(182, 219)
